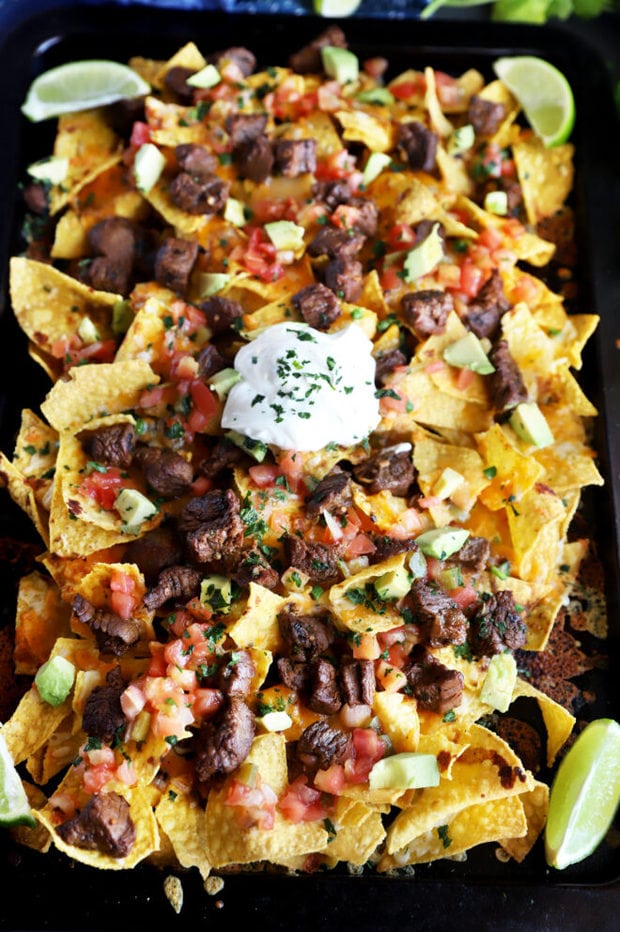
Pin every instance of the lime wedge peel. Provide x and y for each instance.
(14, 806)
(333, 9)
(544, 94)
(80, 85)
(584, 795)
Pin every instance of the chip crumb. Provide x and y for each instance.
(214, 885)
(174, 892)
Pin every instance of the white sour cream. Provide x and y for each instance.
(301, 389)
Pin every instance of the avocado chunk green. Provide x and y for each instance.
(340, 64)
(496, 202)
(14, 805)
(212, 282)
(255, 448)
(499, 682)
(134, 508)
(54, 680)
(53, 169)
(393, 585)
(285, 235)
(380, 96)
(234, 212)
(461, 139)
(377, 161)
(528, 422)
(417, 565)
(148, 165)
(216, 592)
(468, 353)
(122, 317)
(423, 258)
(223, 381)
(408, 770)
(208, 76)
(442, 542)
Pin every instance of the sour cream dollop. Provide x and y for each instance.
(301, 389)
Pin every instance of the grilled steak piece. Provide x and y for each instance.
(485, 115)
(333, 494)
(357, 682)
(154, 551)
(255, 159)
(212, 526)
(324, 691)
(196, 160)
(506, 385)
(336, 243)
(174, 263)
(243, 58)
(386, 363)
(488, 307)
(199, 194)
(103, 716)
(497, 626)
(113, 445)
(178, 583)
(244, 127)
(294, 675)
(221, 313)
(252, 567)
(305, 636)
(104, 824)
(389, 469)
(294, 157)
(366, 218)
(332, 193)
(210, 361)
(345, 278)
(419, 145)
(235, 677)
(426, 312)
(114, 635)
(308, 59)
(320, 745)
(386, 547)
(318, 306)
(224, 742)
(167, 472)
(441, 619)
(223, 457)
(109, 273)
(175, 80)
(318, 561)
(473, 555)
(436, 687)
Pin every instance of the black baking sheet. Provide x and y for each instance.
(48, 892)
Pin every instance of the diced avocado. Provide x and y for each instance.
(442, 542)
(423, 258)
(408, 770)
(496, 202)
(87, 331)
(134, 508)
(53, 169)
(148, 165)
(54, 680)
(393, 585)
(417, 565)
(255, 448)
(451, 577)
(208, 76)
(285, 235)
(223, 381)
(468, 353)
(234, 212)
(216, 592)
(377, 161)
(448, 482)
(461, 139)
(122, 317)
(528, 422)
(275, 721)
(340, 64)
(211, 283)
(377, 95)
(499, 682)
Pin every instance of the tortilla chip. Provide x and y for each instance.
(182, 818)
(90, 145)
(545, 175)
(559, 722)
(535, 807)
(41, 618)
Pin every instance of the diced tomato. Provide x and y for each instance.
(302, 803)
(260, 257)
(358, 546)
(255, 804)
(330, 780)
(526, 289)
(389, 278)
(491, 238)
(346, 217)
(339, 164)
(471, 278)
(157, 666)
(392, 402)
(160, 394)
(391, 679)
(140, 134)
(123, 599)
(464, 379)
(264, 475)
(95, 778)
(292, 467)
(464, 596)
(405, 89)
(366, 647)
(203, 398)
(104, 486)
(401, 236)
(206, 702)
(369, 748)
(201, 485)
(265, 211)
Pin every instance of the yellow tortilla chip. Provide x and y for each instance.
(182, 818)
(89, 144)
(559, 722)
(535, 807)
(41, 618)
(545, 176)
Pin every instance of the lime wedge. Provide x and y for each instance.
(584, 795)
(333, 9)
(543, 92)
(80, 85)
(14, 806)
